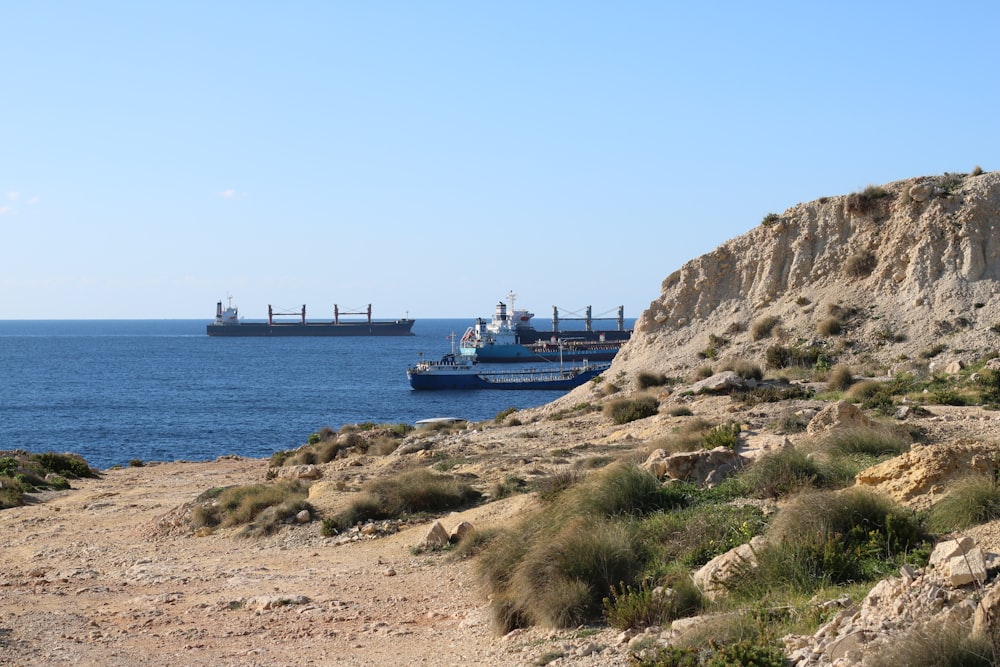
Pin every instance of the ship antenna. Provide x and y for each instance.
(511, 297)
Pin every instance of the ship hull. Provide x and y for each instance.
(282, 329)
(522, 380)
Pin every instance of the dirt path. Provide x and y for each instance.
(88, 580)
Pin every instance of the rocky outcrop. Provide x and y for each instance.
(899, 266)
(922, 476)
(950, 592)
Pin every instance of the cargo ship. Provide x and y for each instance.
(229, 323)
(464, 372)
(511, 337)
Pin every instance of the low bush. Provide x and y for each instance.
(841, 378)
(626, 410)
(865, 202)
(645, 380)
(724, 435)
(503, 414)
(261, 508)
(771, 393)
(939, 646)
(11, 493)
(764, 327)
(412, 492)
(874, 441)
(831, 326)
(973, 501)
(557, 565)
(745, 369)
(645, 605)
(742, 653)
(779, 356)
(782, 473)
(832, 538)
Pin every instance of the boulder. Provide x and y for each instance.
(922, 476)
(719, 383)
(299, 472)
(462, 531)
(839, 415)
(713, 575)
(436, 537)
(697, 467)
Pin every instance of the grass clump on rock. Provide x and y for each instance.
(832, 538)
(556, 567)
(975, 500)
(260, 508)
(626, 410)
(413, 492)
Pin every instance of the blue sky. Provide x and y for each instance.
(430, 157)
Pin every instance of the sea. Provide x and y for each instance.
(118, 391)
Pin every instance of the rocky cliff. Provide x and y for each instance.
(902, 272)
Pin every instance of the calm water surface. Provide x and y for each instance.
(163, 390)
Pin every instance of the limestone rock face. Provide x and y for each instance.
(903, 269)
(922, 476)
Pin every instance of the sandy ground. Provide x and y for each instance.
(89, 579)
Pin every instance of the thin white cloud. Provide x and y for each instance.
(32, 201)
(230, 194)
(6, 210)
(13, 195)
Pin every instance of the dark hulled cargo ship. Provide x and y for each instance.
(228, 323)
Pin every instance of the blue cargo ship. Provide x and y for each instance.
(464, 372)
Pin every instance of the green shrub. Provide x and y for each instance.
(680, 411)
(259, 507)
(989, 387)
(832, 538)
(779, 356)
(770, 219)
(503, 414)
(69, 465)
(11, 492)
(764, 327)
(724, 435)
(642, 606)
(627, 410)
(782, 473)
(874, 441)
(771, 393)
(557, 565)
(412, 492)
(973, 501)
(742, 653)
(688, 537)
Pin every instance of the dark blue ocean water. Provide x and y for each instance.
(163, 390)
